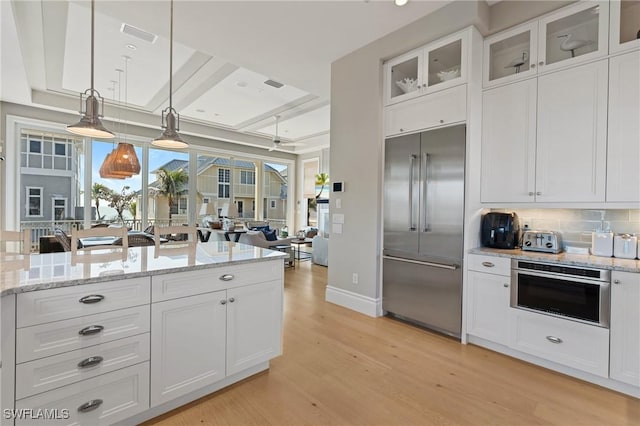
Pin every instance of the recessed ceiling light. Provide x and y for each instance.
(241, 84)
(401, 2)
(132, 46)
(199, 110)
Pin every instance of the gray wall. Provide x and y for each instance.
(509, 13)
(58, 185)
(357, 138)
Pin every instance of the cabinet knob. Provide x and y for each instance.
(616, 281)
(554, 339)
(223, 302)
(530, 193)
(441, 121)
(90, 405)
(532, 65)
(488, 264)
(505, 285)
(231, 300)
(538, 193)
(401, 129)
(541, 63)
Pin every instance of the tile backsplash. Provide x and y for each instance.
(576, 225)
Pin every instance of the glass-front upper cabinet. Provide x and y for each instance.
(436, 66)
(510, 55)
(575, 34)
(566, 37)
(624, 27)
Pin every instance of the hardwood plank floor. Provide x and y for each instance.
(343, 368)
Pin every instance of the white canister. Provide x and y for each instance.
(602, 243)
(625, 246)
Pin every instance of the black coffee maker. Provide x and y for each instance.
(500, 230)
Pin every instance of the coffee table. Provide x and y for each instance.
(298, 243)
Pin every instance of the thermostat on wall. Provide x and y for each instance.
(338, 186)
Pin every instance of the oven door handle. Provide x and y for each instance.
(584, 280)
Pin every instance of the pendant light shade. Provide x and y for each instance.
(125, 160)
(105, 168)
(90, 124)
(170, 118)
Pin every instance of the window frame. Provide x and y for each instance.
(53, 207)
(273, 204)
(28, 199)
(224, 181)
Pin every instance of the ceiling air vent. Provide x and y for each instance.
(273, 83)
(138, 33)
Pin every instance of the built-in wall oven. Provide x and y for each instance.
(577, 293)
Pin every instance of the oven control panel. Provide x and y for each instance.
(545, 241)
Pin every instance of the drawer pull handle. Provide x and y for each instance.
(92, 329)
(488, 264)
(227, 277)
(90, 405)
(90, 362)
(616, 281)
(554, 339)
(92, 298)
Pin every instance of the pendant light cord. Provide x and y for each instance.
(93, 20)
(170, 60)
(126, 90)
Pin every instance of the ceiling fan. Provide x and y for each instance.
(277, 143)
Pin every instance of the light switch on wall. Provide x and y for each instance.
(338, 203)
(337, 228)
(338, 218)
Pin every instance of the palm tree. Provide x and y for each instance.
(100, 192)
(171, 184)
(321, 179)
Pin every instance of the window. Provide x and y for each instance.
(247, 177)
(272, 204)
(48, 151)
(34, 201)
(206, 200)
(35, 147)
(59, 208)
(224, 178)
(60, 149)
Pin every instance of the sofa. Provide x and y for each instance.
(320, 253)
(258, 239)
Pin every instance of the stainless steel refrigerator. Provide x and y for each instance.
(423, 228)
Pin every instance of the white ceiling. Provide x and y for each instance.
(223, 53)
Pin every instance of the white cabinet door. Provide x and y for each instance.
(623, 155)
(509, 143)
(403, 77)
(254, 325)
(623, 25)
(187, 345)
(445, 63)
(488, 306)
(437, 109)
(625, 328)
(572, 134)
(510, 55)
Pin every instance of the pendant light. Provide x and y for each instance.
(90, 124)
(170, 118)
(125, 160)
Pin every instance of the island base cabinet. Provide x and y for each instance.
(254, 321)
(625, 328)
(102, 400)
(187, 345)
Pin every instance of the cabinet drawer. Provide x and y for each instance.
(123, 393)
(490, 264)
(52, 372)
(57, 304)
(437, 109)
(580, 346)
(44, 340)
(172, 286)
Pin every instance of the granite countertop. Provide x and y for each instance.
(611, 263)
(23, 273)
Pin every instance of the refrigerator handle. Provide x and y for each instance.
(412, 159)
(425, 159)
(452, 267)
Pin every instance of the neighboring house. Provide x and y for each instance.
(214, 187)
(49, 178)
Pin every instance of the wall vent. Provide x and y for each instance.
(273, 83)
(138, 33)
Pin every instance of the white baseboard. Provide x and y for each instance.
(354, 301)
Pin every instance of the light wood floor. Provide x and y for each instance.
(343, 368)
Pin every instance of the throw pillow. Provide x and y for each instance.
(261, 228)
(270, 235)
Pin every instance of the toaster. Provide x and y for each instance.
(545, 241)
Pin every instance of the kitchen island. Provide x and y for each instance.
(122, 336)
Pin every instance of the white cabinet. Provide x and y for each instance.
(566, 37)
(254, 325)
(438, 109)
(624, 25)
(188, 340)
(572, 134)
(488, 312)
(625, 327)
(623, 147)
(436, 66)
(544, 140)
